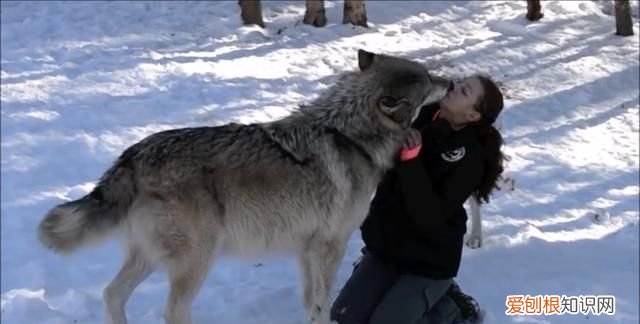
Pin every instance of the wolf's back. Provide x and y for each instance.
(74, 224)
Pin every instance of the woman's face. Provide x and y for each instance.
(458, 105)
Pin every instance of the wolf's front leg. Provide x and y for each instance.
(475, 238)
(307, 282)
(321, 261)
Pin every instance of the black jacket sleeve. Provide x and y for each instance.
(429, 208)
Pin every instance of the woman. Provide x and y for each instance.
(414, 232)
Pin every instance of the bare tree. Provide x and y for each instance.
(624, 26)
(354, 13)
(315, 14)
(251, 12)
(534, 12)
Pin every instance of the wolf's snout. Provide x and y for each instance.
(438, 88)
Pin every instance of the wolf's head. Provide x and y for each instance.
(374, 105)
(398, 87)
(389, 90)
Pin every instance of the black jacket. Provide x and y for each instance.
(417, 219)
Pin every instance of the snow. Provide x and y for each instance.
(83, 80)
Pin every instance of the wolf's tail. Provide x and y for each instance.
(91, 218)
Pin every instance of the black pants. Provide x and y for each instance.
(377, 294)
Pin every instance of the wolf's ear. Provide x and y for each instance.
(365, 59)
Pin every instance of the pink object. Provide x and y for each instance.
(408, 154)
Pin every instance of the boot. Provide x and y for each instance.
(468, 306)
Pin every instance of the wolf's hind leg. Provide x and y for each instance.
(186, 275)
(136, 269)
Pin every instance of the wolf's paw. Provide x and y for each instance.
(320, 315)
(475, 241)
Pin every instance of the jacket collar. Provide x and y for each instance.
(439, 130)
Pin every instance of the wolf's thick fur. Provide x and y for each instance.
(301, 185)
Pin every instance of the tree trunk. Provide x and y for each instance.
(354, 13)
(315, 14)
(624, 26)
(251, 12)
(534, 10)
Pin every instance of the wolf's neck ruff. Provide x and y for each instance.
(344, 140)
(345, 112)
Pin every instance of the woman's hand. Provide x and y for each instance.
(412, 145)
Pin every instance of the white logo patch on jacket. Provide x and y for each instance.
(454, 155)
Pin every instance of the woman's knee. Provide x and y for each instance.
(362, 291)
(409, 300)
(445, 311)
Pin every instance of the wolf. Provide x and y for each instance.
(300, 185)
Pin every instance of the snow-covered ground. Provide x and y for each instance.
(83, 80)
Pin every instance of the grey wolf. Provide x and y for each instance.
(301, 185)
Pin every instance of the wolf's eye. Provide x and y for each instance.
(389, 101)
